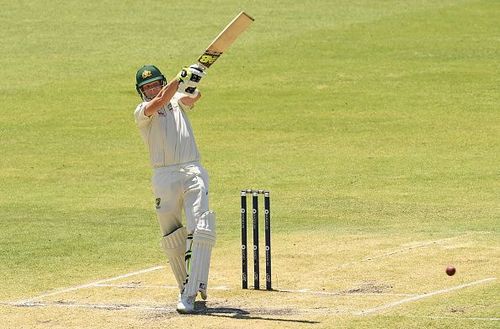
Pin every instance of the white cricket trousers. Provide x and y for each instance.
(177, 188)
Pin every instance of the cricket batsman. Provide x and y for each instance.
(180, 183)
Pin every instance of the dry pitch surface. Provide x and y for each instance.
(316, 288)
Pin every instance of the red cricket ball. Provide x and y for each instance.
(450, 270)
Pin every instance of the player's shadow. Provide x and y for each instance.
(238, 313)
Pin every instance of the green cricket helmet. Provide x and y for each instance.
(146, 74)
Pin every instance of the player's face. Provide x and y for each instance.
(151, 89)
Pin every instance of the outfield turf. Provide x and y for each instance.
(374, 124)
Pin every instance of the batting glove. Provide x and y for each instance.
(188, 90)
(184, 76)
(191, 75)
(196, 72)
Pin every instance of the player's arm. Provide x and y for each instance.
(164, 96)
(187, 77)
(190, 100)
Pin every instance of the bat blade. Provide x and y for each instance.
(222, 42)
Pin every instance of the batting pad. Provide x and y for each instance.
(174, 245)
(203, 240)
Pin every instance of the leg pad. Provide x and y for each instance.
(174, 245)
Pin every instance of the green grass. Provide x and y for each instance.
(360, 116)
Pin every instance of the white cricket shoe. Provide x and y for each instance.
(186, 304)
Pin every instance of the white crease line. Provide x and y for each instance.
(150, 286)
(92, 306)
(62, 291)
(119, 307)
(419, 297)
(133, 285)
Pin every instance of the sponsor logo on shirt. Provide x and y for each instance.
(162, 112)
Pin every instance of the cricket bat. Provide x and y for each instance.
(225, 39)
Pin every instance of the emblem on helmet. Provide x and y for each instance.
(146, 74)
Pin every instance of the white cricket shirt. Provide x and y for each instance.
(167, 134)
